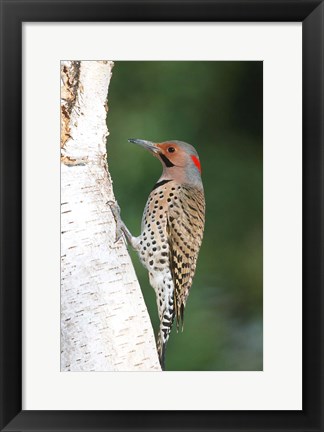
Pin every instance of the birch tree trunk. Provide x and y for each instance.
(105, 325)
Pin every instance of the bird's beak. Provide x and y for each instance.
(148, 145)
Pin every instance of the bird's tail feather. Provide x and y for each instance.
(180, 316)
(162, 339)
(161, 348)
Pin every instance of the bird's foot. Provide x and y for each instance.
(115, 209)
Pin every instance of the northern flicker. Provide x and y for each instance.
(171, 232)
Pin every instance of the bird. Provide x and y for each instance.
(171, 231)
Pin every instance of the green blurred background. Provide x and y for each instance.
(218, 108)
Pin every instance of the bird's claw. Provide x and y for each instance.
(115, 209)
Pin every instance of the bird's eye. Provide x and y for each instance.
(171, 149)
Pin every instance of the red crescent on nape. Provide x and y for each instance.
(196, 162)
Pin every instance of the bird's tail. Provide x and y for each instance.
(161, 347)
(162, 339)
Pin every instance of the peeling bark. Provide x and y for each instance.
(105, 325)
(69, 86)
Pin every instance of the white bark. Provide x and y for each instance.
(105, 325)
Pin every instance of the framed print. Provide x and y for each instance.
(212, 114)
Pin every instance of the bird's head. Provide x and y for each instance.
(180, 160)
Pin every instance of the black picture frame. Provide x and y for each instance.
(13, 14)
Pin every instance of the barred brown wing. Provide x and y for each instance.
(185, 227)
